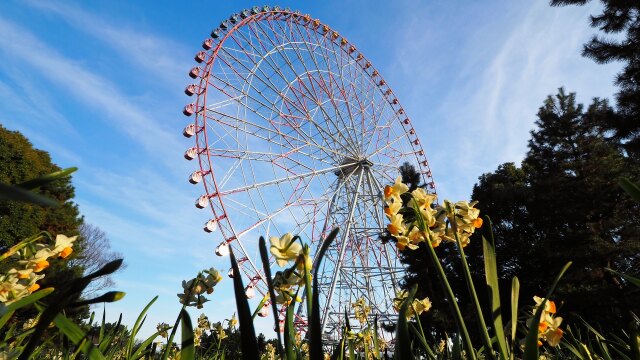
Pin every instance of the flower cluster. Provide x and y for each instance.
(32, 259)
(163, 329)
(417, 306)
(194, 289)
(285, 250)
(414, 218)
(361, 310)
(269, 352)
(549, 326)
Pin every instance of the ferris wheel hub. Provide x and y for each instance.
(351, 166)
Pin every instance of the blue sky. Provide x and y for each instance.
(99, 85)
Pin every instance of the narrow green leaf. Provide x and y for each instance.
(108, 339)
(630, 188)
(531, 340)
(376, 343)
(491, 275)
(266, 265)
(77, 336)
(631, 279)
(8, 311)
(188, 349)
(403, 340)
(289, 335)
(515, 294)
(248, 334)
(315, 326)
(136, 326)
(143, 348)
(15, 193)
(45, 179)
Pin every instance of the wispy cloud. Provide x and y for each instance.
(94, 90)
(487, 105)
(149, 52)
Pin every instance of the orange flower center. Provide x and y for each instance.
(543, 327)
(388, 190)
(387, 211)
(392, 229)
(66, 252)
(477, 223)
(41, 265)
(552, 307)
(34, 287)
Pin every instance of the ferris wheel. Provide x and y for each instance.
(296, 131)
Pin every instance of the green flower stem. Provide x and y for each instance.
(424, 338)
(472, 290)
(308, 285)
(445, 282)
(165, 356)
(452, 298)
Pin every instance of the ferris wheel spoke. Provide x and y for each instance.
(284, 179)
(271, 137)
(277, 70)
(388, 145)
(289, 63)
(295, 47)
(272, 131)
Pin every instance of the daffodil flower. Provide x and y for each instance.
(394, 191)
(396, 227)
(392, 208)
(284, 248)
(64, 245)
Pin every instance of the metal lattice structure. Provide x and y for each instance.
(295, 131)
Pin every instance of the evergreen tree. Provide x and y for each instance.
(620, 18)
(564, 204)
(20, 162)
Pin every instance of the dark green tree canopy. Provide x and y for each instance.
(620, 22)
(19, 162)
(564, 204)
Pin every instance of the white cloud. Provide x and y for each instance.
(482, 113)
(149, 52)
(94, 90)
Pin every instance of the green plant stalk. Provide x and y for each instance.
(375, 338)
(515, 294)
(491, 276)
(167, 349)
(308, 285)
(472, 291)
(403, 342)
(447, 287)
(272, 294)
(259, 307)
(445, 284)
(315, 332)
(188, 350)
(423, 338)
(247, 331)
